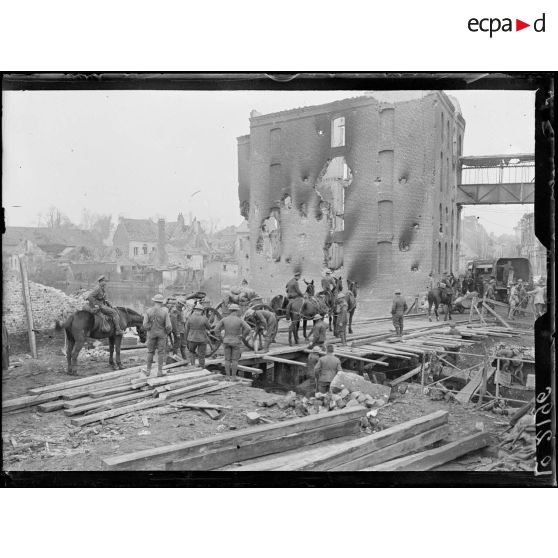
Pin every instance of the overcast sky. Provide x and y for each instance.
(154, 153)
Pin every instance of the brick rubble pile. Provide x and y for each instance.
(48, 304)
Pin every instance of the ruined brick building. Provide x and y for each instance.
(360, 186)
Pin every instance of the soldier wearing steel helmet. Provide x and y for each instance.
(265, 321)
(178, 321)
(318, 333)
(197, 338)
(158, 325)
(235, 329)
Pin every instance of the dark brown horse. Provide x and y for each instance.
(437, 296)
(83, 324)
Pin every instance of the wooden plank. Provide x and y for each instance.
(389, 352)
(468, 391)
(242, 452)
(110, 391)
(501, 320)
(70, 404)
(70, 384)
(201, 405)
(210, 389)
(353, 356)
(250, 369)
(156, 457)
(187, 389)
(96, 417)
(27, 401)
(153, 382)
(105, 403)
(51, 406)
(284, 361)
(403, 348)
(407, 376)
(428, 460)
(326, 459)
(397, 450)
(184, 383)
(82, 391)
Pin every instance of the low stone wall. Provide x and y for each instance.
(48, 305)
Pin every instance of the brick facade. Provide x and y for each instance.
(369, 208)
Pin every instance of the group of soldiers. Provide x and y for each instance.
(336, 301)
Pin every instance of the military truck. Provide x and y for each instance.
(504, 270)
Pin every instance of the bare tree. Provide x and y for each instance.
(55, 219)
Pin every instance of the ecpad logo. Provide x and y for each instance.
(494, 24)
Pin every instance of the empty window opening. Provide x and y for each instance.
(338, 132)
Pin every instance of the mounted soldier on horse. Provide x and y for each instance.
(91, 322)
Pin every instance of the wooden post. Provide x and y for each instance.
(497, 377)
(473, 303)
(27, 304)
(488, 309)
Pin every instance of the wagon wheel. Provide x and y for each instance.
(215, 341)
(254, 340)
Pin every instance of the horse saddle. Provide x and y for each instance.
(102, 322)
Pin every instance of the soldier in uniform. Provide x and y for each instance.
(341, 307)
(398, 309)
(235, 328)
(265, 321)
(293, 292)
(326, 369)
(490, 293)
(178, 322)
(97, 299)
(318, 333)
(328, 282)
(197, 328)
(313, 358)
(158, 325)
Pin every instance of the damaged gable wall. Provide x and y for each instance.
(377, 220)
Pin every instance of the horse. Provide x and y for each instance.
(437, 296)
(310, 288)
(310, 307)
(293, 310)
(83, 324)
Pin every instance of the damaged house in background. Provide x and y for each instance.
(360, 186)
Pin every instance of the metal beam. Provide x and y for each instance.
(505, 193)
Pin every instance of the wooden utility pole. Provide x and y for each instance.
(27, 304)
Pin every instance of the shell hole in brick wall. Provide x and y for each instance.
(403, 180)
(377, 182)
(415, 267)
(287, 201)
(403, 246)
(416, 226)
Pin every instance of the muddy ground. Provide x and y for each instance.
(59, 446)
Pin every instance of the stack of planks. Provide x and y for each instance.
(104, 396)
(324, 442)
(222, 450)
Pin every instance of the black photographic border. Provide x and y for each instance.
(540, 82)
